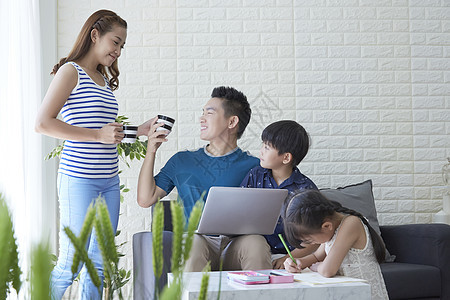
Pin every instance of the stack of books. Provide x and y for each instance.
(248, 277)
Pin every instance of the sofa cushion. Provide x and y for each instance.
(410, 281)
(358, 197)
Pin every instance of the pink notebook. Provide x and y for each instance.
(278, 276)
(261, 277)
(248, 281)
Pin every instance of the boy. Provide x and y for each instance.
(220, 163)
(285, 144)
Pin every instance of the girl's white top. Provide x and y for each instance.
(362, 263)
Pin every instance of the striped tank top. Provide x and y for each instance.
(90, 106)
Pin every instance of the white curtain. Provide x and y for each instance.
(20, 147)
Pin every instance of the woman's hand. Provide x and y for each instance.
(110, 133)
(278, 263)
(291, 267)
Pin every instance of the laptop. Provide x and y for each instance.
(237, 211)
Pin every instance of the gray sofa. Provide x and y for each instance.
(143, 275)
(421, 269)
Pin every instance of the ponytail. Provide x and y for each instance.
(377, 242)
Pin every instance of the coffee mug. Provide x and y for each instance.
(167, 121)
(130, 132)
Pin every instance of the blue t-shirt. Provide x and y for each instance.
(260, 177)
(193, 172)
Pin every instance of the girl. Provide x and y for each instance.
(348, 244)
(82, 92)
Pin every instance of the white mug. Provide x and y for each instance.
(130, 132)
(167, 121)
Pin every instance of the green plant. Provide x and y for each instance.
(178, 223)
(84, 257)
(42, 262)
(205, 281)
(41, 268)
(86, 230)
(9, 261)
(137, 150)
(173, 292)
(194, 219)
(115, 278)
(56, 152)
(181, 246)
(121, 276)
(97, 216)
(220, 278)
(157, 251)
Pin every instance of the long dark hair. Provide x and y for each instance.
(306, 212)
(103, 21)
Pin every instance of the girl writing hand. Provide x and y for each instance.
(310, 261)
(292, 267)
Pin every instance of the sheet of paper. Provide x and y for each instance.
(313, 278)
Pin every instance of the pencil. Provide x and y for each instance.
(287, 249)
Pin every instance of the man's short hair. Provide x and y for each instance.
(287, 136)
(234, 104)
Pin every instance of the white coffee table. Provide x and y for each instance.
(284, 291)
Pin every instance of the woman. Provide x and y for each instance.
(82, 92)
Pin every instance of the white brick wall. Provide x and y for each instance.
(368, 79)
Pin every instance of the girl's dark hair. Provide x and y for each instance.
(234, 104)
(287, 136)
(306, 212)
(103, 21)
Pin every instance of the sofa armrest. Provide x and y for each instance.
(424, 244)
(143, 275)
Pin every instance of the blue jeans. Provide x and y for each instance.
(75, 196)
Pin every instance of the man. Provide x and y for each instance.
(220, 163)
